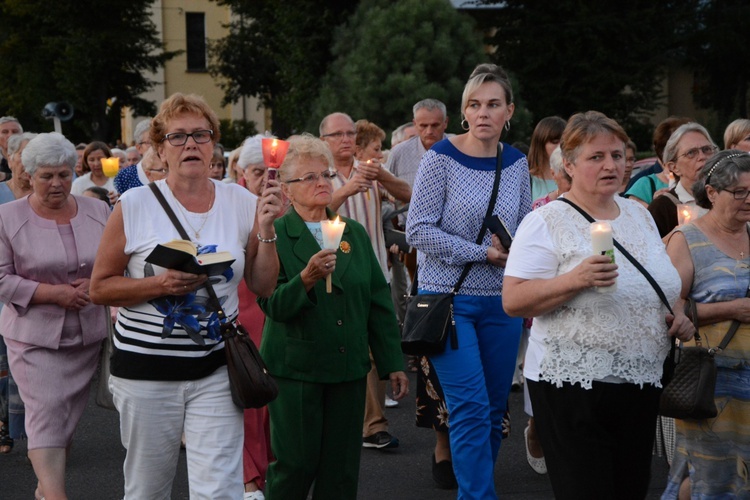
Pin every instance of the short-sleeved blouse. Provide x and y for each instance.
(140, 350)
(619, 336)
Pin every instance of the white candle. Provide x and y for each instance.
(601, 244)
(332, 232)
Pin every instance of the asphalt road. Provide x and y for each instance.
(95, 464)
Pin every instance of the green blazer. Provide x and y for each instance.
(321, 337)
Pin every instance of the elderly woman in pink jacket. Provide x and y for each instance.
(48, 241)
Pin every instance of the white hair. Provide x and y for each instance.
(48, 150)
(252, 151)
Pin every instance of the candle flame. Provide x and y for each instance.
(337, 221)
(275, 143)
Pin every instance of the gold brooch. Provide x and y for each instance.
(345, 247)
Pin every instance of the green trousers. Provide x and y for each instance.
(316, 436)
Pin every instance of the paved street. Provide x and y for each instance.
(95, 466)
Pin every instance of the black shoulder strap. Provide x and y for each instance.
(180, 229)
(627, 255)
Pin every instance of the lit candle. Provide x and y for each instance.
(274, 152)
(332, 232)
(367, 193)
(601, 244)
(687, 214)
(110, 166)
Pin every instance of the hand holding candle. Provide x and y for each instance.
(602, 244)
(274, 152)
(333, 230)
(110, 166)
(687, 214)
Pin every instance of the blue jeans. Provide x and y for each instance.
(476, 379)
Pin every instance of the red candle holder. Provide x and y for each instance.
(274, 152)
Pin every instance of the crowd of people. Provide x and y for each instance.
(586, 333)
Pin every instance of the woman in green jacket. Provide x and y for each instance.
(316, 343)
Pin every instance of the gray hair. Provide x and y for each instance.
(143, 127)
(556, 161)
(722, 171)
(8, 119)
(48, 150)
(252, 151)
(670, 150)
(324, 122)
(398, 134)
(131, 149)
(430, 105)
(16, 141)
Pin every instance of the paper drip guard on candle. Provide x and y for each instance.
(602, 244)
(332, 230)
(110, 166)
(274, 152)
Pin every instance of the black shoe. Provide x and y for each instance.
(380, 440)
(443, 474)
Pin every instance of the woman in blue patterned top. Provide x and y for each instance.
(451, 193)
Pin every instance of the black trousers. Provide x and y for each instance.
(597, 443)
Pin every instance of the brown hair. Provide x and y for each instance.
(94, 146)
(664, 131)
(182, 104)
(583, 127)
(367, 132)
(549, 129)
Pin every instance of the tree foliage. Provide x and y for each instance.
(93, 54)
(714, 49)
(390, 55)
(278, 52)
(570, 56)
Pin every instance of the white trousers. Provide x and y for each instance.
(153, 415)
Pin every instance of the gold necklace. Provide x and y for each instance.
(196, 232)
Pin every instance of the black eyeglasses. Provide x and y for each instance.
(340, 135)
(693, 152)
(739, 194)
(180, 138)
(312, 178)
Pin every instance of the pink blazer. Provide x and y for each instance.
(32, 252)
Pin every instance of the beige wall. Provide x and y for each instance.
(169, 18)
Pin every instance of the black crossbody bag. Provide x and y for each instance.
(250, 383)
(429, 322)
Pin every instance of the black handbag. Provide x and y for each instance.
(428, 320)
(249, 381)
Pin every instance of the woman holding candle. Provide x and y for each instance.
(169, 371)
(686, 152)
(52, 329)
(316, 343)
(712, 255)
(94, 176)
(452, 191)
(594, 361)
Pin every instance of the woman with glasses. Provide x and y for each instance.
(169, 368)
(686, 152)
(316, 343)
(712, 255)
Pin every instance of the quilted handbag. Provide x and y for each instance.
(689, 393)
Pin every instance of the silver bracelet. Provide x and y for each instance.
(262, 240)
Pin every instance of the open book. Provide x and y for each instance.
(182, 255)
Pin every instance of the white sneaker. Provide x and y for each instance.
(254, 495)
(390, 403)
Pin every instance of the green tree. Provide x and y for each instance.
(570, 56)
(93, 54)
(278, 53)
(390, 55)
(714, 50)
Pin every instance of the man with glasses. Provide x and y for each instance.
(134, 175)
(358, 189)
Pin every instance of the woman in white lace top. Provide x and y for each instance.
(594, 360)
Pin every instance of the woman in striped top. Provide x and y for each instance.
(168, 366)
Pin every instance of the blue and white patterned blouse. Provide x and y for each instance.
(448, 204)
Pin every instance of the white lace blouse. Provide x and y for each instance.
(611, 337)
